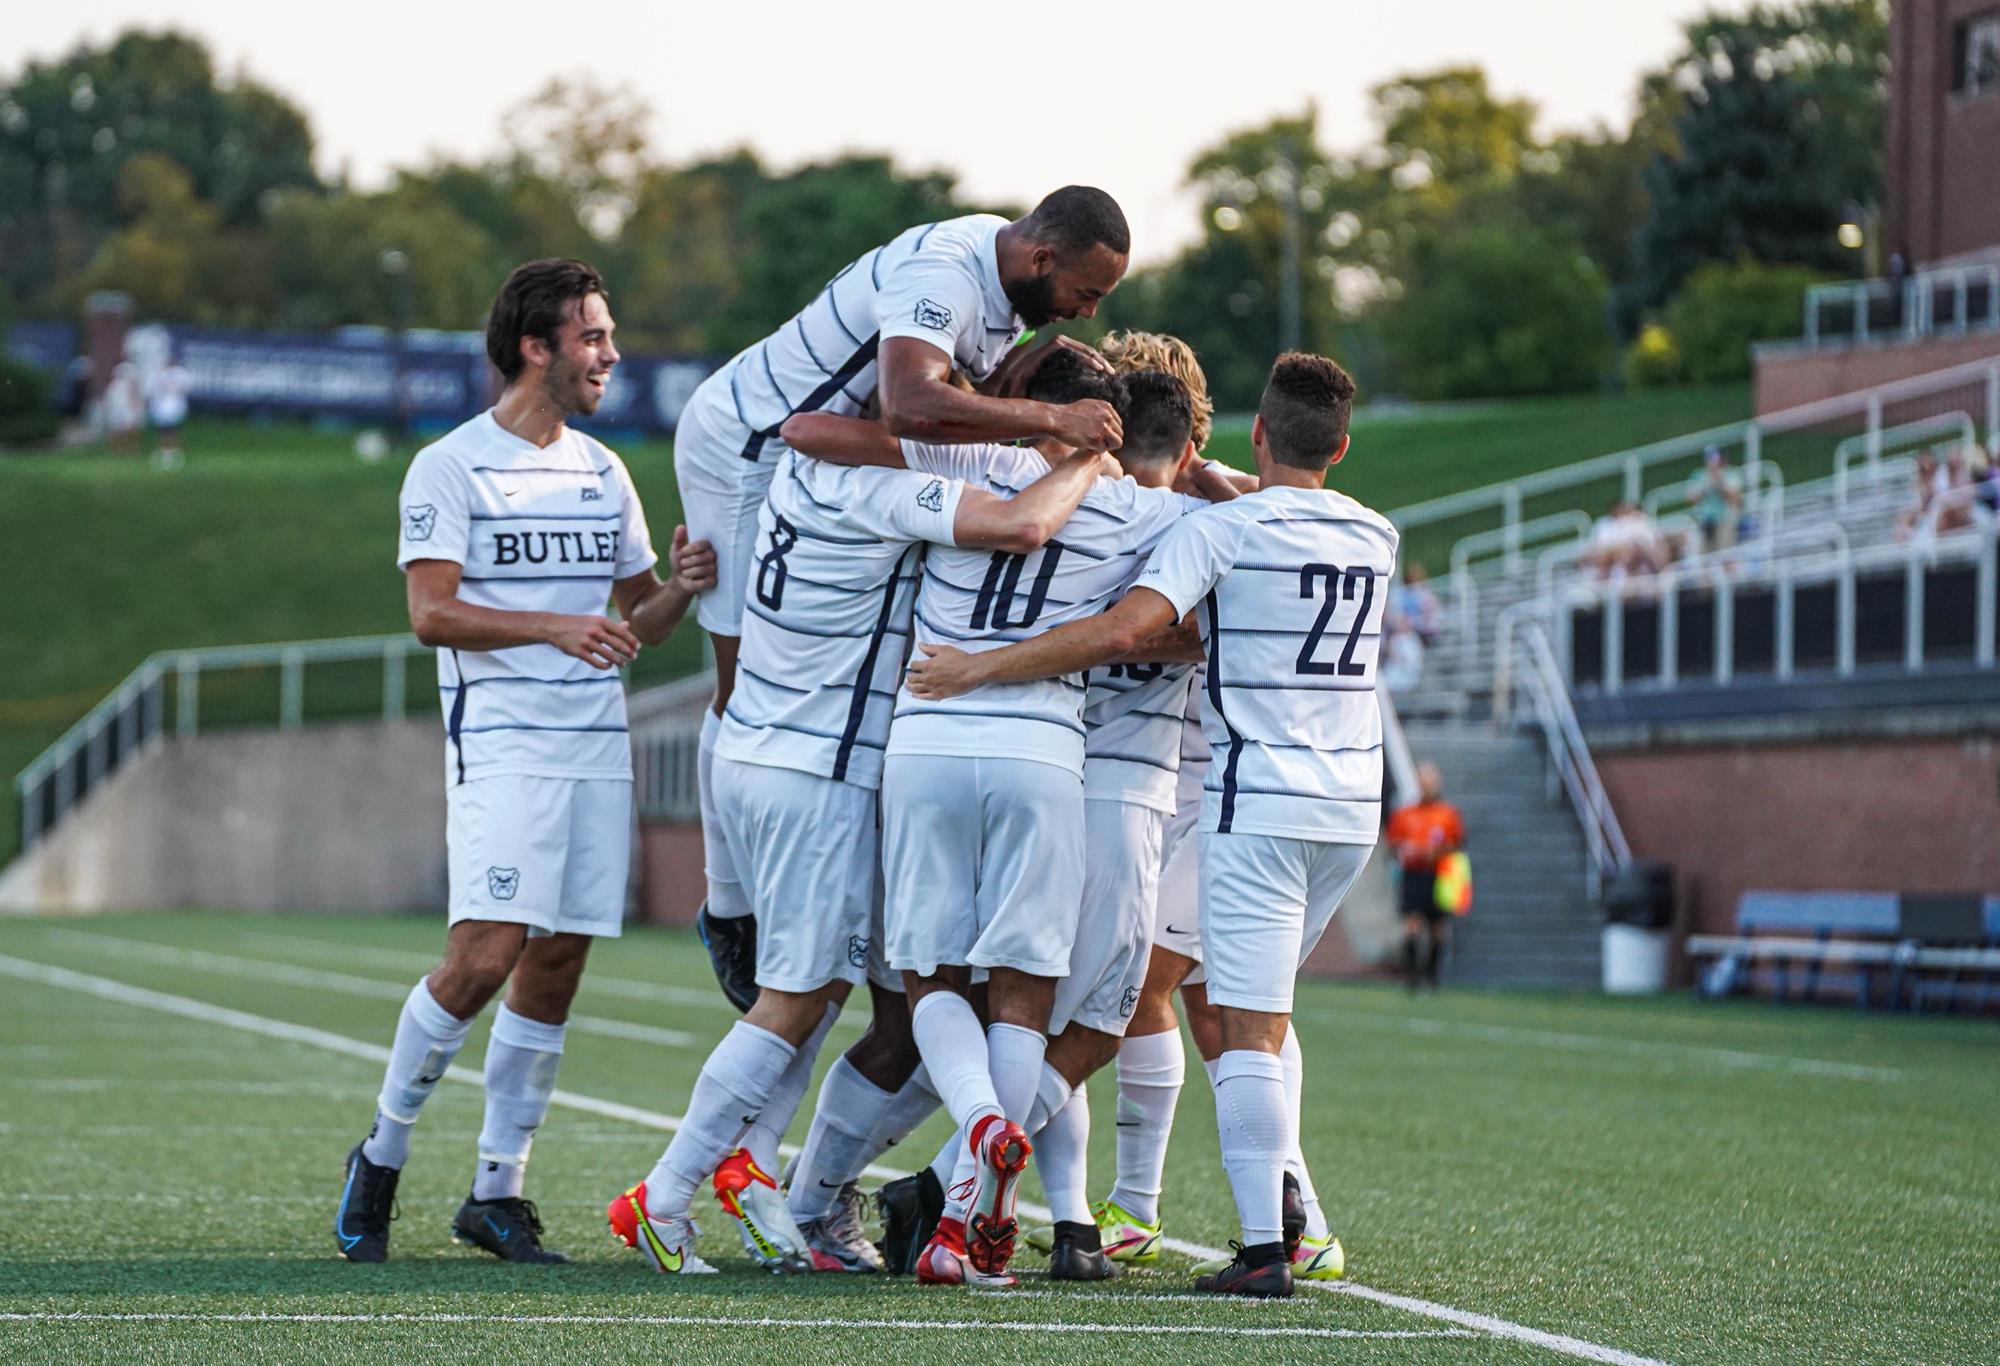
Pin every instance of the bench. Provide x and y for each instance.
(1852, 939)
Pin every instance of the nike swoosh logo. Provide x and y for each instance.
(508, 493)
(498, 1232)
(1128, 1123)
(829, 1185)
(1175, 929)
(431, 1080)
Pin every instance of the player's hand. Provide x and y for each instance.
(1089, 424)
(1091, 355)
(945, 673)
(693, 562)
(598, 641)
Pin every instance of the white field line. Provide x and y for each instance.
(714, 1321)
(264, 970)
(106, 988)
(1601, 1043)
(408, 960)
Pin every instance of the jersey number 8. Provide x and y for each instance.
(771, 564)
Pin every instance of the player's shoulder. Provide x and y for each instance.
(1327, 506)
(458, 451)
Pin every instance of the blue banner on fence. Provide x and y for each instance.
(358, 373)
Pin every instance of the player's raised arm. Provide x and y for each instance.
(1027, 520)
(842, 440)
(920, 401)
(1136, 619)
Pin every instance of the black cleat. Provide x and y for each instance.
(367, 1205)
(509, 1228)
(1078, 1254)
(732, 952)
(1292, 1216)
(1261, 1272)
(910, 1207)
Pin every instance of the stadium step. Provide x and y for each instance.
(1533, 923)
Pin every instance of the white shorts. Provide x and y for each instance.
(1114, 928)
(549, 853)
(721, 493)
(809, 844)
(1265, 902)
(1177, 922)
(982, 863)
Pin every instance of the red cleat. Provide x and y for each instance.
(1001, 1150)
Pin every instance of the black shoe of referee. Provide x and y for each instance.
(732, 952)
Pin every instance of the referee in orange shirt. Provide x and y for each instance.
(1422, 834)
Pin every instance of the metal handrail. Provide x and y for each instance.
(1919, 299)
(131, 717)
(666, 724)
(1547, 697)
(1905, 436)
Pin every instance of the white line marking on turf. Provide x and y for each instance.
(109, 989)
(1604, 1043)
(262, 969)
(717, 1321)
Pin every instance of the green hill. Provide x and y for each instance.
(279, 533)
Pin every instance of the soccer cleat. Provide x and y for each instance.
(944, 1262)
(753, 1200)
(1319, 1259)
(838, 1242)
(1078, 1255)
(1002, 1152)
(1292, 1215)
(667, 1243)
(1123, 1236)
(909, 1207)
(367, 1206)
(509, 1228)
(732, 952)
(1259, 1272)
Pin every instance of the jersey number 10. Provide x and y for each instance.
(991, 608)
(1338, 585)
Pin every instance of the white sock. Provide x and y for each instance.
(521, 1061)
(954, 1049)
(1052, 1092)
(726, 900)
(849, 1110)
(728, 1096)
(428, 1037)
(1062, 1150)
(1152, 1068)
(1295, 1083)
(783, 1102)
(1256, 1126)
(1014, 1057)
(961, 1182)
(1211, 1066)
(908, 1108)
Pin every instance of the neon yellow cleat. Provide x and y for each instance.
(1319, 1260)
(1125, 1238)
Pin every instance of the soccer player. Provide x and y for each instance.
(888, 331)
(982, 799)
(1290, 585)
(516, 529)
(797, 766)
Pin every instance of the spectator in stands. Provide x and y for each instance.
(1715, 497)
(1943, 500)
(1401, 665)
(1417, 604)
(167, 405)
(1624, 542)
(1985, 471)
(1421, 834)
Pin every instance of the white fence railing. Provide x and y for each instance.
(1927, 303)
(134, 714)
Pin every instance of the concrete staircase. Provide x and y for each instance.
(1533, 923)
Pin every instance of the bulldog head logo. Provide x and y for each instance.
(418, 521)
(503, 882)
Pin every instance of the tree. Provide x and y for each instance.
(327, 255)
(174, 256)
(682, 251)
(1727, 306)
(1498, 309)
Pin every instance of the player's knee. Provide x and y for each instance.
(791, 1015)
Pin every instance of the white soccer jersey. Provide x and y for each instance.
(1133, 716)
(1292, 585)
(979, 600)
(1194, 745)
(537, 529)
(938, 282)
(826, 619)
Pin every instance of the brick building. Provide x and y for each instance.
(1943, 183)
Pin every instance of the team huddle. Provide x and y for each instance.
(1027, 719)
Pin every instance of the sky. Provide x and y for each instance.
(1016, 99)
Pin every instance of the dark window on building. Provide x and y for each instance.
(1975, 65)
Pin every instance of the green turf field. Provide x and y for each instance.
(1660, 1180)
(279, 533)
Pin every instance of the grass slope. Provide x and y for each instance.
(1690, 1182)
(278, 533)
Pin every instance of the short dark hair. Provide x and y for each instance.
(1157, 413)
(1063, 376)
(1306, 407)
(1077, 218)
(534, 302)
